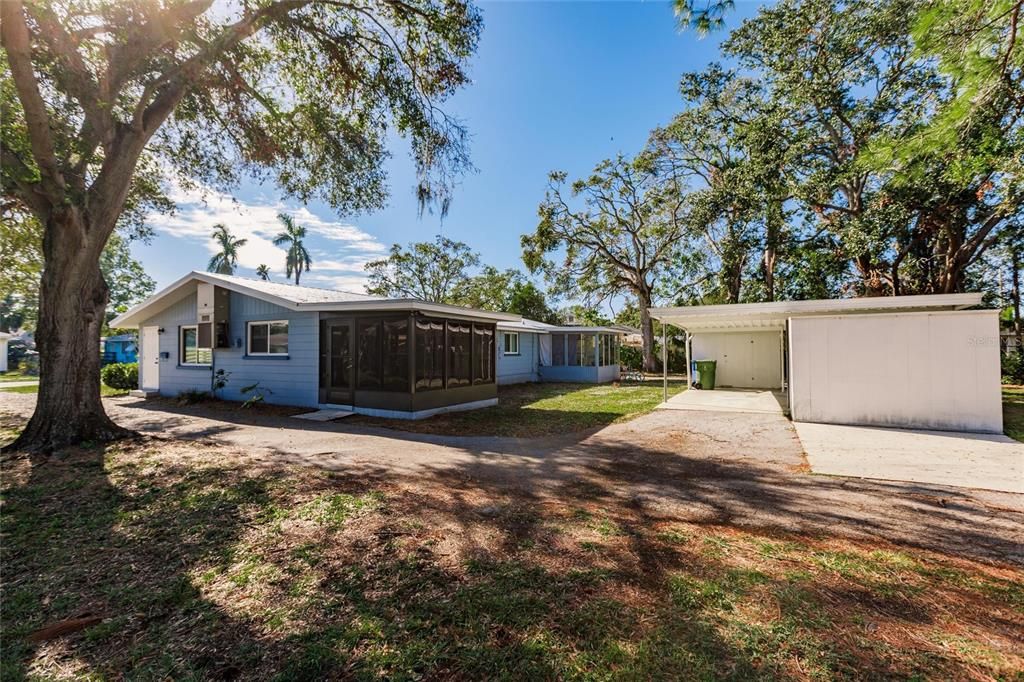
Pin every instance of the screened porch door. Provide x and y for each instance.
(337, 350)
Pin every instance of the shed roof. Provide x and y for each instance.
(292, 297)
(773, 316)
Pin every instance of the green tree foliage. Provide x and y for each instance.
(445, 271)
(436, 271)
(846, 79)
(616, 231)
(297, 258)
(226, 259)
(703, 16)
(21, 248)
(21, 262)
(979, 49)
(528, 300)
(104, 99)
(263, 272)
(128, 281)
(859, 147)
(506, 291)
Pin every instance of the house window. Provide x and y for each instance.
(268, 338)
(429, 354)
(511, 343)
(190, 351)
(557, 350)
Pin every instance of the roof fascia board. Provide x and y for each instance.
(821, 307)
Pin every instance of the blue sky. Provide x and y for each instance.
(556, 85)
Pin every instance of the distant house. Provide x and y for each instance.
(534, 351)
(312, 347)
(4, 338)
(120, 348)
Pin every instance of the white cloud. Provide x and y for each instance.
(339, 265)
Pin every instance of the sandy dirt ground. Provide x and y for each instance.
(748, 470)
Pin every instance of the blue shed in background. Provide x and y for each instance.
(120, 348)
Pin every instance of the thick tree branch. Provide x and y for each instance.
(14, 35)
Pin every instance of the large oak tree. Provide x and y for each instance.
(616, 231)
(301, 91)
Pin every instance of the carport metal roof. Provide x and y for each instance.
(773, 316)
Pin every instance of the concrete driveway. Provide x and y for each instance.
(966, 460)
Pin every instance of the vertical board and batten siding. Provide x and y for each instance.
(292, 380)
(912, 370)
(518, 369)
(743, 359)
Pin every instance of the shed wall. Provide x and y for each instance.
(913, 370)
(744, 359)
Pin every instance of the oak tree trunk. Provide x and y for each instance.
(72, 301)
(1018, 327)
(647, 333)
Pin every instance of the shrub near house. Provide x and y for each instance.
(121, 375)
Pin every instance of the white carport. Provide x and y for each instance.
(910, 361)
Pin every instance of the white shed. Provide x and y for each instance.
(928, 362)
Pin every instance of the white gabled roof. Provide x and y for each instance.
(292, 297)
(769, 316)
(535, 327)
(526, 325)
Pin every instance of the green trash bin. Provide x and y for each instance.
(706, 374)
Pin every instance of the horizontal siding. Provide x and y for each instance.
(290, 381)
(516, 369)
(570, 373)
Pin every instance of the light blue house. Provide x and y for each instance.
(312, 347)
(534, 351)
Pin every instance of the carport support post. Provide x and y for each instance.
(664, 363)
(689, 360)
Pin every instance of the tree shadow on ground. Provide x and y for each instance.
(204, 565)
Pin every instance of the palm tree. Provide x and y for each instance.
(226, 260)
(298, 258)
(263, 272)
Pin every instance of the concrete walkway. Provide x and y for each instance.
(967, 460)
(755, 400)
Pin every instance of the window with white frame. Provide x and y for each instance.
(268, 338)
(191, 353)
(511, 343)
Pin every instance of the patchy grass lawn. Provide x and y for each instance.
(544, 409)
(105, 391)
(192, 561)
(1013, 412)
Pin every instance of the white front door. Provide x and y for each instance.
(149, 361)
